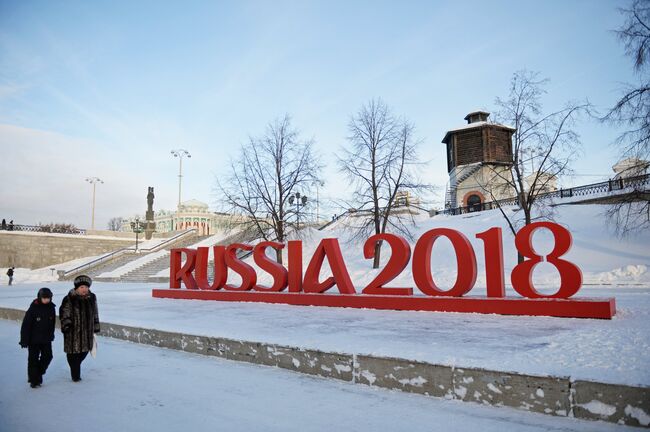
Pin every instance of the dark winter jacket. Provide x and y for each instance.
(38, 324)
(79, 320)
(10, 272)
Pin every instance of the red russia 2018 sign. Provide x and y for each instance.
(292, 286)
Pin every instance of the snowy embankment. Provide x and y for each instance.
(603, 258)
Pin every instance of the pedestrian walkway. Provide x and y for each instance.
(131, 387)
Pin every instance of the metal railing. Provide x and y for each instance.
(610, 185)
(65, 273)
(43, 229)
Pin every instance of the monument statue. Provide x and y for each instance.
(150, 226)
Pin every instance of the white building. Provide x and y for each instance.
(190, 214)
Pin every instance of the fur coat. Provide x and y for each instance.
(79, 321)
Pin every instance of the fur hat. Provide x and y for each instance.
(44, 293)
(82, 280)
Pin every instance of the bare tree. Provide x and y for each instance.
(380, 164)
(543, 146)
(632, 111)
(269, 169)
(115, 224)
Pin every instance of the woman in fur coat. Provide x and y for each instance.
(79, 322)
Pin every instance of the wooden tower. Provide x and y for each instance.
(479, 157)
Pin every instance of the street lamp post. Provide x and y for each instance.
(93, 181)
(179, 153)
(300, 200)
(137, 228)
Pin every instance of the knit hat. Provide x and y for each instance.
(82, 280)
(44, 293)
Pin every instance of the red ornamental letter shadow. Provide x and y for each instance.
(178, 273)
(275, 269)
(247, 273)
(220, 269)
(465, 259)
(341, 278)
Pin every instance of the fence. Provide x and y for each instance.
(610, 185)
(44, 228)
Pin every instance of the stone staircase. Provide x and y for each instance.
(143, 273)
(163, 262)
(103, 267)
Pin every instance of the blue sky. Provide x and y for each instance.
(107, 89)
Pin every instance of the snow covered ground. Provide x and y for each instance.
(616, 351)
(131, 387)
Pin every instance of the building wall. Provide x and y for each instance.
(491, 178)
(36, 250)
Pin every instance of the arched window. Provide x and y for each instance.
(474, 203)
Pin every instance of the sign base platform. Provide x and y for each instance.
(601, 308)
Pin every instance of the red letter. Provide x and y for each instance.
(465, 259)
(493, 249)
(522, 274)
(330, 248)
(295, 265)
(246, 272)
(275, 269)
(184, 273)
(399, 258)
(220, 269)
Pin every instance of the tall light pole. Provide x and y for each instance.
(93, 181)
(179, 153)
(299, 200)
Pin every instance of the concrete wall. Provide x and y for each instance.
(36, 250)
(558, 396)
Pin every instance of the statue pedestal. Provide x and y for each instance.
(150, 228)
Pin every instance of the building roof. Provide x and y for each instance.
(476, 112)
(473, 126)
(193, 203)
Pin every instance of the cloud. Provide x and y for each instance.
(42, 179)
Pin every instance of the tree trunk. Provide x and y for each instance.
(375, 262)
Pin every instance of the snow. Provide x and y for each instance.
(615, 351)
(131, 387)
(639, 414)
(599, 408)
(45, 274)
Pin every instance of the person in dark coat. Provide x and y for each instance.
(79, 322)
(4, 224)
(10, 273)
(37, 334)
